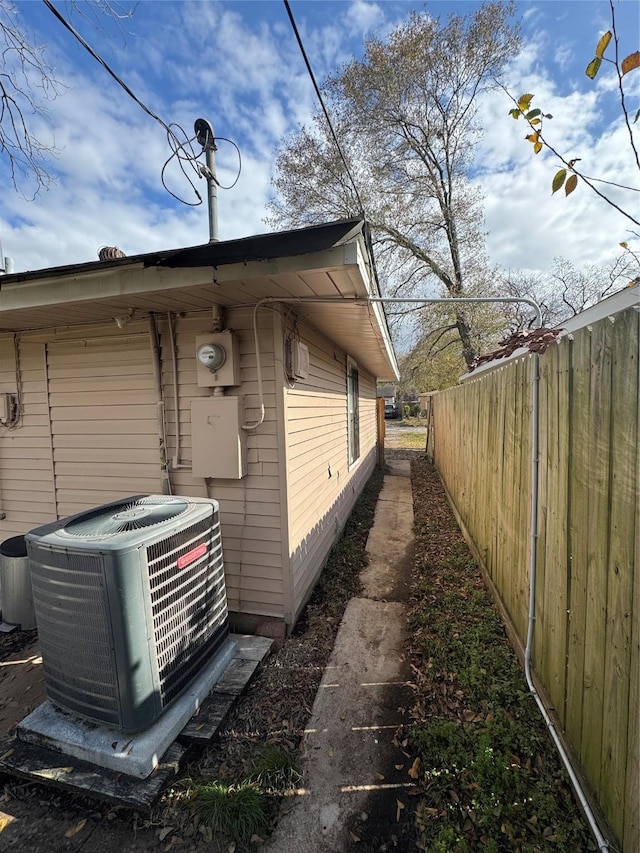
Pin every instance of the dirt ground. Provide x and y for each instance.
(274, 710)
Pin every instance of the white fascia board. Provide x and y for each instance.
(136, 279)
(375, 307)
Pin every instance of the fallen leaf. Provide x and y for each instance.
(400, 806)
(414, 770)
(380, 777)
(164, 832)
(5, 820)
(399, 766)
(355, 838)
(330, 753)
(74, 830)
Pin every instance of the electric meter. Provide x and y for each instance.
(212, 356)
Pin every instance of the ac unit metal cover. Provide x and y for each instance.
(130, 603)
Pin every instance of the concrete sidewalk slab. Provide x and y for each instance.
(351, 783)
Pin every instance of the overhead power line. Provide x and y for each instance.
(322, 104)
(177, 145)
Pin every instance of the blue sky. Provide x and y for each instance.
(237, 64)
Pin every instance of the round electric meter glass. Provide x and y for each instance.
(212, 356)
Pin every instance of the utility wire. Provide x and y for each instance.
(321, 100)
(175, 143)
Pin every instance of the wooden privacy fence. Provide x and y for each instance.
(587, 633)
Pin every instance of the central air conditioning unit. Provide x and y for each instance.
(130, 603)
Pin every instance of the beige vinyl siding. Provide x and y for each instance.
(103, 420)
(250, 509)
(26, 464)
(322, 487)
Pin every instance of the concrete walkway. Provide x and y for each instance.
(352, 783)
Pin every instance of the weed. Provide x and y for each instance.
(275, 769)
(238, 811)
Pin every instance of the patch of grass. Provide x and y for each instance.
(238, 811)
(275, 769)
(491, 779)
(412, 440)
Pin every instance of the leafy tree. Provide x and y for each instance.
(435, 361)
(407, 117)
(568, 177)
(27, 82)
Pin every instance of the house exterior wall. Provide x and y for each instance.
(27, 496)
(89, 435)
(321, 486)
(250, 508)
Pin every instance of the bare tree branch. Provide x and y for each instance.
(27, 83)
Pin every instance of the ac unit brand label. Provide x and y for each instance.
(192, 555)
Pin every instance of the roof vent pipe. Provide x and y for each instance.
(6, 264)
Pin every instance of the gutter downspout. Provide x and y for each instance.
(157, 375)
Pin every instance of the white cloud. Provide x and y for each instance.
(243, 71)
(364, 16)
(563, 56)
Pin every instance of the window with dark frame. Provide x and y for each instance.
(353, 412)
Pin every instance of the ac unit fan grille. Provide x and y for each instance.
(126, 517)
(188, 604)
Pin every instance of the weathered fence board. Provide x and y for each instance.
(599, 418)
(587, 634)
(622, 530)
(579, 490)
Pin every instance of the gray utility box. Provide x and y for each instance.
(15, 584)
(219, 444)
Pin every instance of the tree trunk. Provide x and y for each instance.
(464, 331)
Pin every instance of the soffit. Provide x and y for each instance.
(96, 295)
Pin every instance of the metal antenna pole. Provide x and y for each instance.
(204, 135)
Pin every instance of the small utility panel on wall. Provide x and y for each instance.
(297, 360)
(218, 442)
(217, 360)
